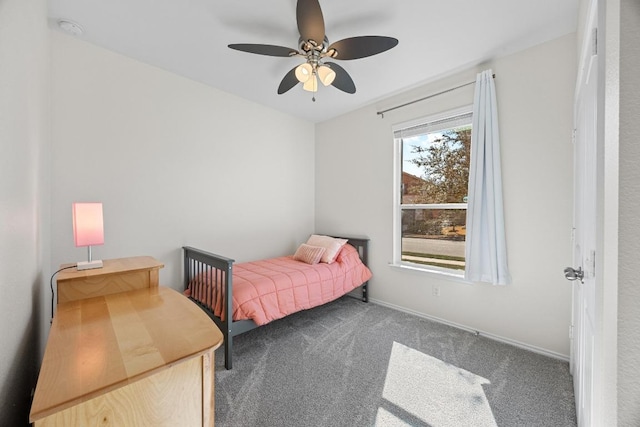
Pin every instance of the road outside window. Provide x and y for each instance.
(434, 175)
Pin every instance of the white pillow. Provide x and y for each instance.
(331, 244)
(309, 254)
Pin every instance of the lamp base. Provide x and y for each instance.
(88, 265)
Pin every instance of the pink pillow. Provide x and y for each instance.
(309, 254)
(332, 246)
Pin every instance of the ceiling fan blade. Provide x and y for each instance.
(360, 47)
(265, 49)
(288, 81)
(310, 21)
(343, 80)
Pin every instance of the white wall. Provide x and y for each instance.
(629, 232)
(24, 200)
(174, 163)
(354, 187)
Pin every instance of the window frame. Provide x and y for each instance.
(398, 207)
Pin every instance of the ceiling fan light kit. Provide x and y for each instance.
(311, 28)
(308, 76)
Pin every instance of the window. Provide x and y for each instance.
(432, 176)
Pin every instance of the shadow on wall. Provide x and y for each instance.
(15, 403)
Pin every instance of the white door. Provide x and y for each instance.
(584, 251)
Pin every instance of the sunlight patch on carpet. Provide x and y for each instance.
(437, 393)
(387, 419)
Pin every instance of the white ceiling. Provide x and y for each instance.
(437, 37)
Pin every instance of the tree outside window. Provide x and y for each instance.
(434, 181)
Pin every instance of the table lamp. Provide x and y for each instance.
(88, 230)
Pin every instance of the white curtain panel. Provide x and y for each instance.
(486, 249)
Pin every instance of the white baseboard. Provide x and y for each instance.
(515, 343)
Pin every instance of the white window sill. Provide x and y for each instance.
(451, 275)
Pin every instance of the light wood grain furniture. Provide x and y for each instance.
(136, 358)
(116, 275)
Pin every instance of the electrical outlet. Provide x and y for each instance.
(436, 291)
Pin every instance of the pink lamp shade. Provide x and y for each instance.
(88, 227)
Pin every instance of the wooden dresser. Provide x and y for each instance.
(116, 275)
(142, 357)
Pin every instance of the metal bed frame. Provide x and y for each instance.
(197, 262)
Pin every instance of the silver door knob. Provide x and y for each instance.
(573, 274)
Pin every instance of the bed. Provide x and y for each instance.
(266, 290)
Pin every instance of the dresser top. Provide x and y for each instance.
(111, 266)
(100, 344)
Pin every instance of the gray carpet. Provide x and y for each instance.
(354, 364)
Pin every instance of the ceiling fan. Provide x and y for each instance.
(314, 47)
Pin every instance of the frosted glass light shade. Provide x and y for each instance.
(311, 85)
(304, 72)
(88, 229)
(326, 75)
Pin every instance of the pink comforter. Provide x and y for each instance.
(270, 289)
